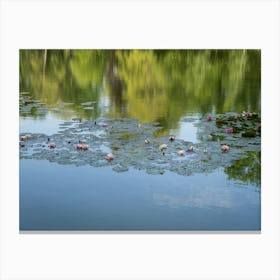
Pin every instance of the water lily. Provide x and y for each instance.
(109, 157)
(163, 147)
(82, 146)
(52, 145)
(171, 138)
(85, 147)
(147, 141)
(237, 116)
(191, 149)
(209, 118)
(24, 137)
(225, 148)
(79, 146)
(182, 153)
(246, 114)
(229, 130)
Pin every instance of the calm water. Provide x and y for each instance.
(163, 86)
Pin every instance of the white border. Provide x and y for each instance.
(146, 24)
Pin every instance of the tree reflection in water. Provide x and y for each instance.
(247, 170)
(150, 85)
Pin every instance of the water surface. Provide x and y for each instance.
(174, 88)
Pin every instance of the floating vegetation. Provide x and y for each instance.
(88, 103)
(249, 133)
(88, 108)
(125, 139)
(230, 128)
(28, 106)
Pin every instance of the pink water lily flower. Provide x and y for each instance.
(109, 157)
(82, 146)
(229, 130)
(52, 145)
(85, 147)
(79, 146)
(237, 116)
(246, 114)
(209, 118)
(225, 148)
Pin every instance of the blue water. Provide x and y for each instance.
(65, 197)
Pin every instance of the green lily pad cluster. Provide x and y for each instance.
(246, 124)
(125, 139)
(231, 128)
(28, 106)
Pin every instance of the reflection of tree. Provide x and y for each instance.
(165, 85)
(247, 169)
(150, 85)
(87, 67)
(70, 76)
(114, 87)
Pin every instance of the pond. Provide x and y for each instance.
(79, 106)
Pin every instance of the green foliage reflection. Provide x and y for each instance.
(247, 170)
(150, 85)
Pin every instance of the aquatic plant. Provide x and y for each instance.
(182, 152)
(109, 157)
(229, 130)
(52, 145)
(122, 140)
(171, 138)
(225, 148)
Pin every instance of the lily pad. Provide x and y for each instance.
(126, 140)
